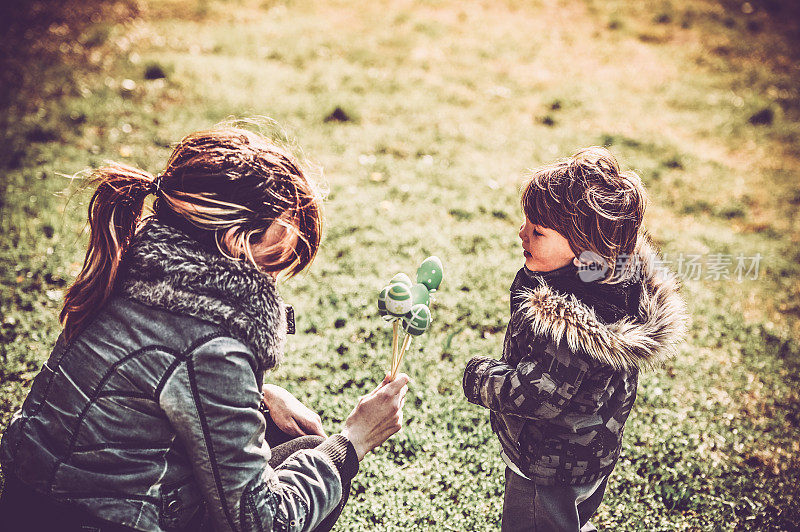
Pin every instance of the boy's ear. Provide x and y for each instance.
(588, 257)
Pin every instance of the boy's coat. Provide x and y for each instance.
(566, 383)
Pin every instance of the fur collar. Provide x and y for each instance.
(166, 269)
(643, 341)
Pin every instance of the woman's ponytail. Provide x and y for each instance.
(114, 213)
(225, 188)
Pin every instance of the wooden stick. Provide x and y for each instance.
(395, 332)
(406, 341)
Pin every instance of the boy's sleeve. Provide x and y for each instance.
(539, 387)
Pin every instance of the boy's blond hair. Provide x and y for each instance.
(597, 208)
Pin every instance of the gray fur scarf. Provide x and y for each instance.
(165, 268)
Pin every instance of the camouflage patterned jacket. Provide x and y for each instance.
(561, 393)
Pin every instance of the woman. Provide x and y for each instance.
(148, 413)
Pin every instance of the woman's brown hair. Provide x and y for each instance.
(593, 205)
(225, 187)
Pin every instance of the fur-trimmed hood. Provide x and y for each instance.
(165, 268)
(633, 342)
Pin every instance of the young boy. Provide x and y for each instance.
(589, 309)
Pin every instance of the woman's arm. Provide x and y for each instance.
(212, 400)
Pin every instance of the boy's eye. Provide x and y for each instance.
(536, 233)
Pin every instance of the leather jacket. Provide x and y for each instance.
(151, 413)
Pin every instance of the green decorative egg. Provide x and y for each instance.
(430, 273)
(382, 302)
(417, 320)
(402, 279)
(420, 294)
(398, 299)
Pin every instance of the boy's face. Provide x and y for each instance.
(544, 249)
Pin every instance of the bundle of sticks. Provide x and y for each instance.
(407, 304)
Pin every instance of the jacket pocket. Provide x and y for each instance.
(509, 429)
(180, 502)
(514, 425)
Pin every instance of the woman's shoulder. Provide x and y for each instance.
(167, 270)
(142, 325)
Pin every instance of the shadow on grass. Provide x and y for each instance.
(46, 47)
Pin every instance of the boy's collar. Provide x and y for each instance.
(569, 269)
(640, 339)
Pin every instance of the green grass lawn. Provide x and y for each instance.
(443, 106)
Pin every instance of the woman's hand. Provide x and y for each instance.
(290, 415)
(378, 415)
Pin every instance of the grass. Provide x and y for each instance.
(425, 119)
